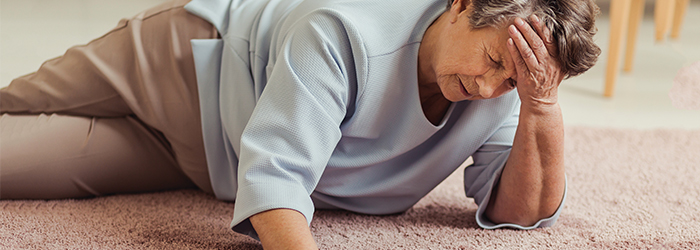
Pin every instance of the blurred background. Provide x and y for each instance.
(33, 31)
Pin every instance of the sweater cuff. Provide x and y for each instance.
(259, 197)
(485, 223)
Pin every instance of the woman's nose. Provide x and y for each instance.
(487, 86)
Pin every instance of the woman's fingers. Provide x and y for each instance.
(527, 54)
(538, 27)
(544, 33)
(536, 45)
(538, 72)
(520, 66)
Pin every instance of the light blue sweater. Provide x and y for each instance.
(314, 104)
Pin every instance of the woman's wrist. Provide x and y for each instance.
(539, 108)
(283, 229)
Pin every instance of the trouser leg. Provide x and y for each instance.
(143, 67)
(58, 156)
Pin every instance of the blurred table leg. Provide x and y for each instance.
(619, 18)
(636, 13)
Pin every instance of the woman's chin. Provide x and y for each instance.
(456, 98)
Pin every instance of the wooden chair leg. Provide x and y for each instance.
(678, 15)
(636, 13)
(619, 18)
(663, 15)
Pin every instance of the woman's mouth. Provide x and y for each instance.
(464, 89)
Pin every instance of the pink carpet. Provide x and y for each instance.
(628, 189)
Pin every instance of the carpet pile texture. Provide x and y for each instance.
(628, 189)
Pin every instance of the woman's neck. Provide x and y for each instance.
(432, 100)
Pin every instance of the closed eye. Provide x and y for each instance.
(498, 63)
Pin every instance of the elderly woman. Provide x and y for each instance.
(288, 106)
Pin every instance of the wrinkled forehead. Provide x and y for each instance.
(495, 40)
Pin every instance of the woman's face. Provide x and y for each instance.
(473, 64)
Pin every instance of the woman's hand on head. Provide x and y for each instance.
(534, 55)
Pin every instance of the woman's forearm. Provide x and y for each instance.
(532, 183)
(283, 229)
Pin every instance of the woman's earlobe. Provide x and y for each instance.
(453, 19)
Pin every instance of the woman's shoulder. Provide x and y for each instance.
(382, 26)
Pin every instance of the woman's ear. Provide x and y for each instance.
(458, 8)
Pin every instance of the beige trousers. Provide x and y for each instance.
(118, 115)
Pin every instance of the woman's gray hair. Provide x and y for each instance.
(572, 23)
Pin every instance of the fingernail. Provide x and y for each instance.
(535, 18)
(512, 29)
(519, 21)
(510, 41)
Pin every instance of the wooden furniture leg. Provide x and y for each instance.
(678, 15)
(663, 15)
(619, 17)
(636, 13)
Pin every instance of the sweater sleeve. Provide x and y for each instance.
(481, 178)
(295, 125)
